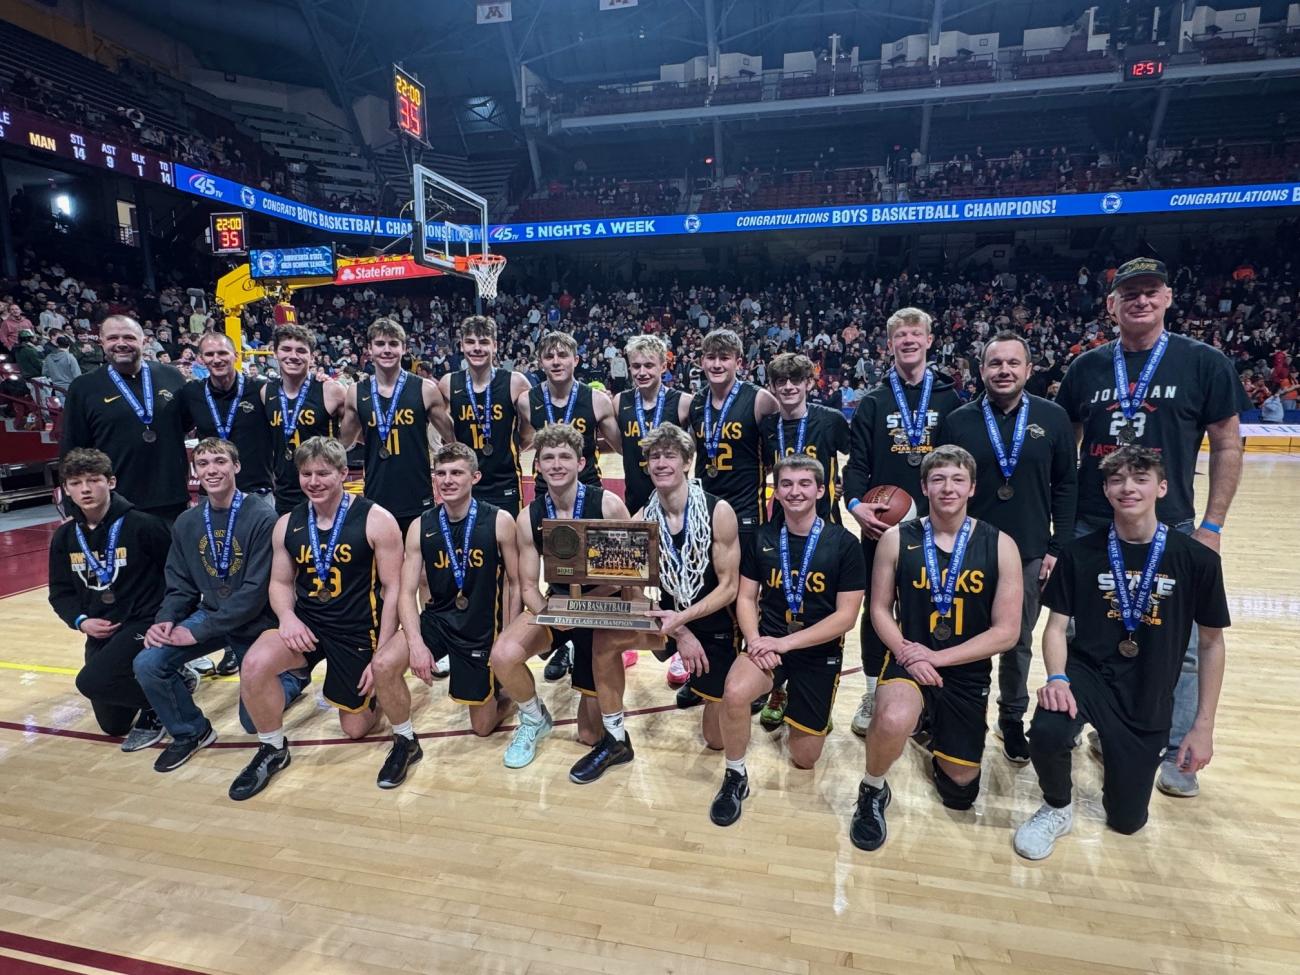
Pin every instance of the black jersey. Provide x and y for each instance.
(1193, 387)
(476, 626)
(152, 474)
(401, 482)
(502, 479)
(636, 482)
(826, 436)
(1188, 588)
(739, 463)
(593, 506)
(837, 566)
(313, 421)
(720, 621)
(583, 420)
(356, 602)
(249, 432)
(972, 605)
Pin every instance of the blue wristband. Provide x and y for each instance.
(853, 503)
(76, 624)
(1052, 677)
(1210, 526)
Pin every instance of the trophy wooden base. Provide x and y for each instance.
(598, 613)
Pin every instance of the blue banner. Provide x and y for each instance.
(931, 213)
(291, 262)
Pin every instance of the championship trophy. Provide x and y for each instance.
(592, 552)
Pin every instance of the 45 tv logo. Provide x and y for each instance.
(504, 234)
(206, 185)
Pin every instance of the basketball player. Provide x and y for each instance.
(1166, 392)
(560, 398)
(298, 407)
(597, 670)
(483, 414)
(945, 598)
(335, 568)
(228, 406)
(893, 429)
(390, 412)
(106, 581)
(1026, 486)
(465, 550)
(217, 573)
(801, 590)
(1134, 589)
(130, 410)
(801, 428)
(643, 408)
(699, 569)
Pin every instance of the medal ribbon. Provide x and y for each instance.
(291, 418)
(568, 407)
(942, 595)
(1131, 608)
(104, 571)
(1130, 404)
(143, 411)
(799, 437)
(666, 546)
(223, 429)
(913, 422)
(712, 432)
(578, 503)
(222, 554)
(483, 420)
(459, 566)
(1008, 464)
(323, 561)
(794, 599)
(384, 419)
(640, 410)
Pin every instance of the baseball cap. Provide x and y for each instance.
(1140, 267)
(26, 333)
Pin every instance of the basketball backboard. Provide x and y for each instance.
(450, 231)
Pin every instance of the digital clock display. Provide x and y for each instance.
(1148, 69)
(227, 231)
(408, 105)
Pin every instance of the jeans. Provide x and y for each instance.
(158, 671)
(1187, 691)
(1013, 666)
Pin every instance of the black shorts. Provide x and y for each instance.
(812, 676)
(580, 674)
(472, 681)
(720, 649)
(346, 657)
(509, 503)
(404, 521)
(954, 713)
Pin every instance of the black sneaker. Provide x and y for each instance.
(228, 665)
(257, 773)
(558, 667)
(404, 753)
(181, 750)
(726, 804)
(687, 698)
(607, 753)
(1015, 746)
(868, 830)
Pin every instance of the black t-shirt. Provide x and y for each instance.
(1188, 588)
(837, 566)
(1193, 387)
(826, 436)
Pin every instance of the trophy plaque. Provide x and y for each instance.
(592, 552)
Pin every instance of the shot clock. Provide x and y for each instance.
(408, 105)
(228, 233)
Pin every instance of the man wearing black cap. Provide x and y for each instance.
(1165, 392)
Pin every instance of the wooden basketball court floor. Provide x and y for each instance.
(107, 866)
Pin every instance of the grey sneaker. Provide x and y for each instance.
(148, 731)
(867, 707)
(1037, 836)
(191, 677)
(1173, 781)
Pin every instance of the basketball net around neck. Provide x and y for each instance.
(683, 580)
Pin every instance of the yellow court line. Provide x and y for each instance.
(73, 671)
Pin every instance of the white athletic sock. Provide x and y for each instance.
(532, 710)
(871, 684)
(875, 781)
(273, 738)
(737, 765)
(614, 725)
(405, 729)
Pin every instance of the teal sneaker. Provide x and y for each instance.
(523, 743)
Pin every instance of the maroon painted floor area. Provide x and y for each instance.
(55, 951)
(24, 558)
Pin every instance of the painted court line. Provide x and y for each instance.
(89, 957)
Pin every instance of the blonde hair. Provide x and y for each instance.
(557, 340)
(647, 345)
(322, 448)
(908, 316)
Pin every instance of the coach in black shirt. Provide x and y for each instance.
(1034, 505)
(130, 410)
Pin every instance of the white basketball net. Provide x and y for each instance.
(683, 580)
(486, 273)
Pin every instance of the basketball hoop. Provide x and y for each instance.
(485, 269)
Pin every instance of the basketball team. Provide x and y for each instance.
(1083, 504)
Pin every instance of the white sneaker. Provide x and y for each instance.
(1173, 781)
(441, 667)
(1037, 836)
(862, 716)
(677, 672)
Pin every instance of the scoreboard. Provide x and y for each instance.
(228, 232)
(45, 135)
(408, 105)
